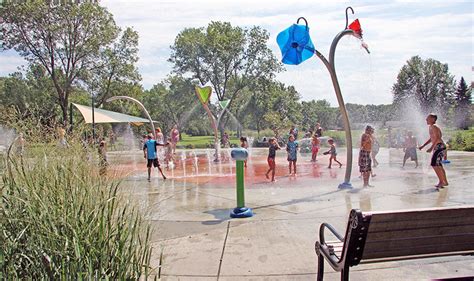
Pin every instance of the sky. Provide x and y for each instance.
(394, 30)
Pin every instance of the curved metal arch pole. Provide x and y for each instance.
(342, 107)
(141, 106)
(216, 133)
(214, 127)
(220, 115)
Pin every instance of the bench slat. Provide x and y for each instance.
(402, 243)
(399, 235)
(425, 232)
(384, 224)
(438, 214)
(417, 250)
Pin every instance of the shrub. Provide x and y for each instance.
(192, 131)
(61, 220)
(462, 140)
(198, 130)
(339, 137)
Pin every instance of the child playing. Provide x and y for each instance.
(365, 161)
(410, 149)
(332, 151)
(244, 144)
(168, 154)
(272, 148)
(149, 153)
(225, 140)
(375, 151)
(292, 150)
(314, 148)
(438, 147)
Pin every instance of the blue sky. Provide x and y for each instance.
(394, 31)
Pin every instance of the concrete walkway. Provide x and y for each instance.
(199, 241)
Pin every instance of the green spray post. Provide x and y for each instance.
(240, 155)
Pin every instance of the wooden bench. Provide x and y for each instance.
(400, 235)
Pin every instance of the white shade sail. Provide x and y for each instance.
(107, 116)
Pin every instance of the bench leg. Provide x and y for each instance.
(320, 268)
(345, 274)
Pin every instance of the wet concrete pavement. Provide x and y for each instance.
(199, 241)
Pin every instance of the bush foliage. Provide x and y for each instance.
(61, 220)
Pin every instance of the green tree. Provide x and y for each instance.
(253, 114)
(115, 72)
(272, 105)
(380, 113)
(172, 102)
(277, 122)
(230, 58)
(284, 108)
(310, 116)
(319, 111)
(427, 83)
(65, 39)
(370, 113)
(29, 95)
(462, 106)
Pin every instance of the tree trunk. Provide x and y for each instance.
(65, 109)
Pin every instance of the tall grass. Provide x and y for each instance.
(61, 220)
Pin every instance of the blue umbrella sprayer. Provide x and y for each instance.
(296, 47)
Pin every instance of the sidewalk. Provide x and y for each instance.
(200, 242)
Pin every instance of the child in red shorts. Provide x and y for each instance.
(314, 148)
(272, 148)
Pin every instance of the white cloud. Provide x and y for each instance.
(395, 31)
(10, 62)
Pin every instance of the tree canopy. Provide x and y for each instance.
(223, 54)
(75, 50)
(231, 58)
(73, 42)
(427, 83)
(463, 101)
(172, 102)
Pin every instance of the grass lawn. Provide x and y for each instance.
(201, 141)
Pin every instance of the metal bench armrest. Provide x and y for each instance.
(333, 231)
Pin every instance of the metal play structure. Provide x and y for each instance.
(204, 96)
(296, 46)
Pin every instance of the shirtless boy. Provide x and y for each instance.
(365, 161)
(438, 147)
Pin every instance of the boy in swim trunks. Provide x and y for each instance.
(149, 153)
(438, 147)
(365, 161)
